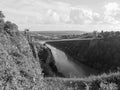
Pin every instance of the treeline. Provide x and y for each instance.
(101, 54)
(69, 36)
(102, 34)
(7, 26)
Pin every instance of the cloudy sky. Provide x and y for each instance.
(84, 15)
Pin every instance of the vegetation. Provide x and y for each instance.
(101, 54)
(1, 21)
(19, 70)
(70, 36)
(11, 28)
(53, 35)
(101, 82)
(20, 66)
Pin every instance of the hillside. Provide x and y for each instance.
(51, 33)
(100, 54)
(19, 70)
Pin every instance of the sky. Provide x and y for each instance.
(45, 15)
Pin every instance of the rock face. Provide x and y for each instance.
(45, 58)
(19, 70)
(47, 62)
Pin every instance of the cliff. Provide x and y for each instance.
(18, 68)
(45, 58)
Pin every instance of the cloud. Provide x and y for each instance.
(47, 12)
(111, 13)
(33, 13)
(112, 6)
(83, 16)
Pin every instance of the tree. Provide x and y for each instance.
(11, 28)
(1, 21)
(1, 15)
(95, 34)
(26, 31)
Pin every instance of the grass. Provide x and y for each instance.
(101, 82)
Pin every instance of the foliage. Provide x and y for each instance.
(18, 68)
(100, 82)
(1, 21)
(101, 54)
(11, 28)
(1, 15)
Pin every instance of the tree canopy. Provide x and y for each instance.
(1, 15)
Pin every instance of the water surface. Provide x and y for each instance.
(67, 65)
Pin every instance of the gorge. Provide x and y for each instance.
(24, 61)
(68, 66)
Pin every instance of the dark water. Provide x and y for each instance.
(67, 66)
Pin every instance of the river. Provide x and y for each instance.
(66, 65)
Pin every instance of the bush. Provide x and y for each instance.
(1, 21)
(11, 28)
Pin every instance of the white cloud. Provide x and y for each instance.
(83, 16)
(39, 11)
(112, 6)
(112, 12)
(29, 13)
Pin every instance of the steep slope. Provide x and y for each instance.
(18, 68)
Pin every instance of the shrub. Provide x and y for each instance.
(11, 28)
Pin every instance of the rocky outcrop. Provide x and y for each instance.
(44, 55)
